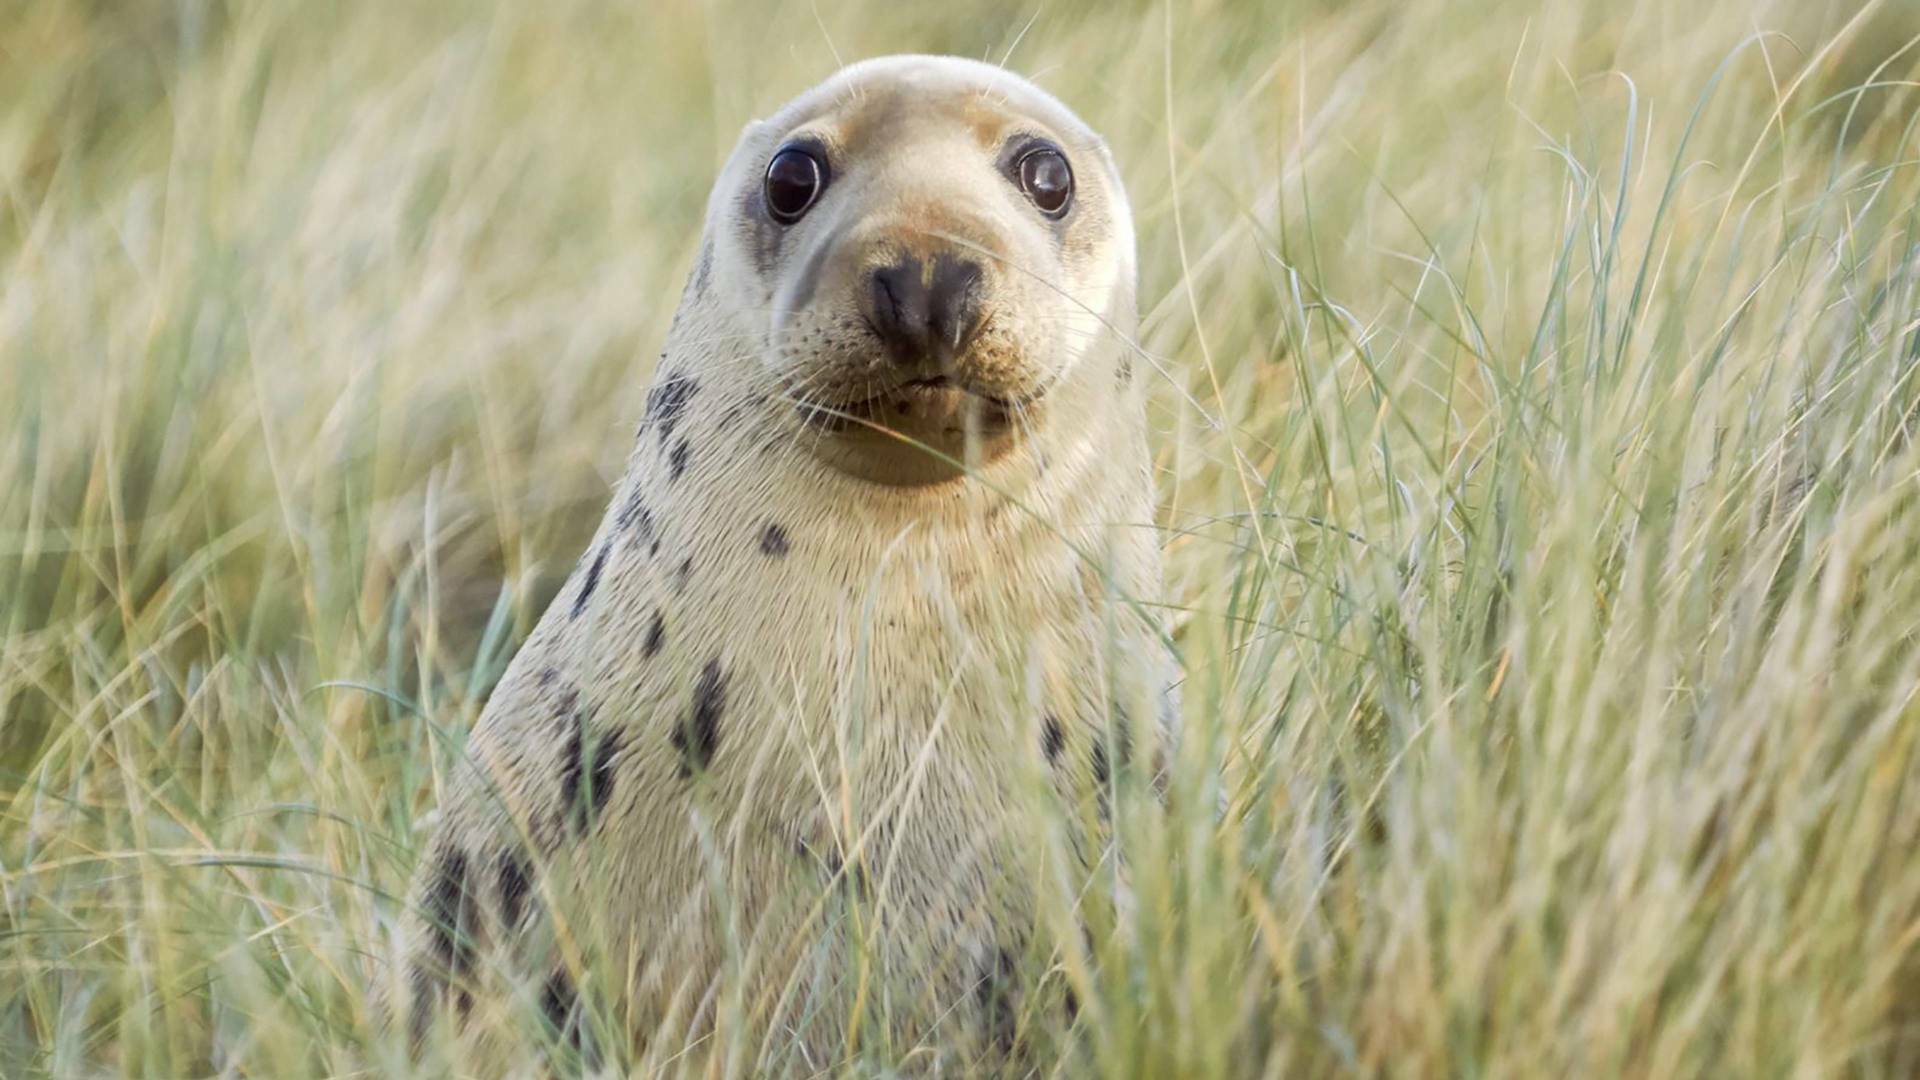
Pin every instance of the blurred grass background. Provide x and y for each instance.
(1537, 455)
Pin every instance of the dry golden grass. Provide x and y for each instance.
(1538, 451)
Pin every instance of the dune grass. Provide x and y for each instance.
(1538, 438)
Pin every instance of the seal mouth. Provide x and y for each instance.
(916, 431)
(937, 400)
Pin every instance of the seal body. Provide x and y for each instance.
(860, 644)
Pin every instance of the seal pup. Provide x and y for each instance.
(864, 604)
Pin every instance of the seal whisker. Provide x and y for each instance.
(1126, 339)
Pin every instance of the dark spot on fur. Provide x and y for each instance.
(426, 991)
(1122, 737)
(570, 767)
(452, 917)
(634, 514)
(603, 774)
(773, 541)
(560, 1004)
(677, 460)
(450, 913)
(512, 880)
(1126, 366)
(591, 761)
(996, 993)
(684, 575)
(700, 734)
(1052, 740)
(656, 636)
(667, 401)
(592, 582)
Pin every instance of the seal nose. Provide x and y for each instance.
(926, 312)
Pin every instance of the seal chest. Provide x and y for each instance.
(861, 615)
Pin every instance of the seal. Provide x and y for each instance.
(872, 601)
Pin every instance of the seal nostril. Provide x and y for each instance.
(955, 300)
(926, 313)
(898, 296)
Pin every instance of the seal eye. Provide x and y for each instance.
(1047, 180)
(795, 179)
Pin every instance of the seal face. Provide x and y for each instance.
(862, 610)
(933, 251)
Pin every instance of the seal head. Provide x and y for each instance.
(925, 246)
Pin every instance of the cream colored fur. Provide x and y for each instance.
(821, 708)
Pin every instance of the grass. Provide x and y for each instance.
(1539, 452)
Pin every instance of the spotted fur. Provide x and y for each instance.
(779, 669)
(450, 921)
(588, 776)
(450, 915)
(697, 739)
(512, 881)
(635, 516)
(590, 582)
(667, 401)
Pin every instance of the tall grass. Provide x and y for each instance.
(1538, 443)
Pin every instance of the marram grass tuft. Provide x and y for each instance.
(1537, 429)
